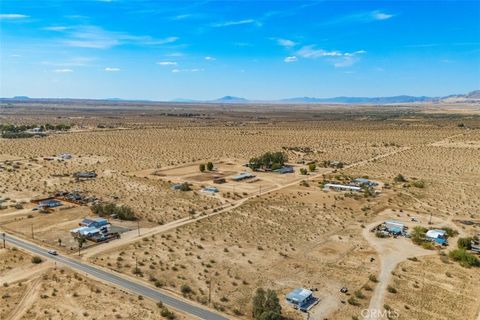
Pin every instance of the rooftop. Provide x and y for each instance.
(299, 294)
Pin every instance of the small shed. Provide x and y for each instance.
(364, 182)
(243, 176)
(176, 186)
(284, 169)
(50, 203)
(65, 156)
(437, 235)
(394, 227)
(301, 298)
(85, 175)
(341, 187)
(210, 190)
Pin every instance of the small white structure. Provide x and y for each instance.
(341, 187)
(210, 190)
(65, 156)
(395, 227)
(437, 235)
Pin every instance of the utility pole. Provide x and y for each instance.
(430, 221)
(136, 266)
(32, 232)
(210, 291)
(138, 227)
(3, 234)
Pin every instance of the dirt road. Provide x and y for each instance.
(391, 252)
(132, 236)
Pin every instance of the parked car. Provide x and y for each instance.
(52, 252)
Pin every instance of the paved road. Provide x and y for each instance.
(120, 282)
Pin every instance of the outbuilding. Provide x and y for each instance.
(210, 190)
(301, 298)
(50, 203)
(341, 187)
(394, 227)
(284, 169)
(437, 235)
(243, 176)
(364, 182)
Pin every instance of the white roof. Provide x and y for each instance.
(341, 186)
(435, 233)
(394, 223)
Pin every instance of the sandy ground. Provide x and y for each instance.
(391, 252)
(292, 235)
(47, 291)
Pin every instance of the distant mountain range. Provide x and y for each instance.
(473, 96)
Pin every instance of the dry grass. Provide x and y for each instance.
(299, 236)
(430, 288)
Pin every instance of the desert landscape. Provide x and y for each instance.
(207, 235)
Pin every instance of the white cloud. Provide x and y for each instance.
(362, 17)
(167, 63)
(56, 28)
(344, 62)
(236, 23)
(12, 16)
(175, 54)
(186, 70)
(338, 58)
(311, 52)
(63, 70)
(208, 58)
(349, 54)
(71, 62)
(108, 69)
(378, 15)
(290, 59)
(182, 16)
(286, 43)
(98, 38)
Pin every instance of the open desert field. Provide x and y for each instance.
(279, 231)
(47, 291)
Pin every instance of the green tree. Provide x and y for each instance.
(209, 166)
(266, 305)
(268, 160)
(202, 167)
(418, 234)
(465, 258)
(312, 167)
(303, 171)
(81, 239)
(400, 178)
(258, 303)
(465, 243)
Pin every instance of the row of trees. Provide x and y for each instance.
(269, 160)
(20, 135)
(202, 166)
(21, 128)
(107, 209)
(311, 167)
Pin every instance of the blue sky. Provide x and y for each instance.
(140, 49)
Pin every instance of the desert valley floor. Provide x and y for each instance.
(275, 231)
